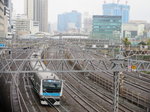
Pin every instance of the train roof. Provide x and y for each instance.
(47, 75)
(40, 67)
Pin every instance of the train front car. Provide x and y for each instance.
(46, 84)
(51, 91)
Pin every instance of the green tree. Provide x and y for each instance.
(142, 43)
(148, 42)
(126, 42)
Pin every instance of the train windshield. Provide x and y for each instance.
(52, 86)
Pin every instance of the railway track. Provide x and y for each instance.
(17, 100)
(135, 77)
(129, 94)
(133, 81)
(82, 99)
(133, 84)
(51, 108)
(110, 83)
(105, 96)
(140, 81)
(31, 96)
(79, 98)
(35, 99)
(100, 95)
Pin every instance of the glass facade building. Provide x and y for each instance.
(72, 18)
(113, 9)
(106, 27)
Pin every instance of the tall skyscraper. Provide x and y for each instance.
(41, 14)
(8, 13)
(71, 20)
(37, 10)
(28, 8)
(106, 27)
(2, 27)
(114, 9)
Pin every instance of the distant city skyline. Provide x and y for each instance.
(139, 10)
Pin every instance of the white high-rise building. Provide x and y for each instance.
(24, 26)
(37, 10)
(8, 14)
(29, 8)
(2, 20)
(41, 14)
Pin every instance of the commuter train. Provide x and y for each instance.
(47, 85)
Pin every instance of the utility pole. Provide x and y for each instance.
(116, 91)
(118, 62)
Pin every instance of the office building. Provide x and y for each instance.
(37, 10)
(34, 27)
(133, 29)
(8, 14)
(23, 25)
(106, 27)
(41, 14)
(114, 9)
(69, 21)
(26, 26)
(2, 21)
(28, 8)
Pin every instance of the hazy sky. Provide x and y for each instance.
(140, 9)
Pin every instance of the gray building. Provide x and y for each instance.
(37, 10)
(2, 21)
(8, 13)
(28, 8)
(41, 14)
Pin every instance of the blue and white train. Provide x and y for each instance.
(47, 85)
